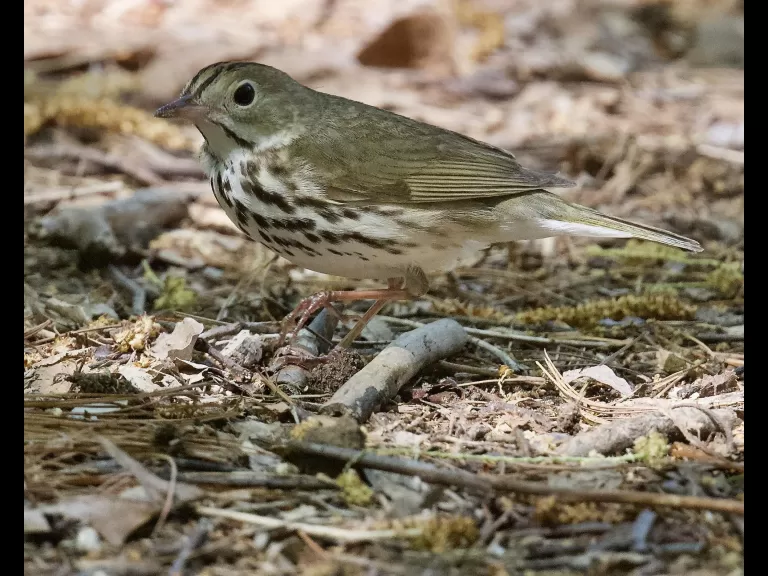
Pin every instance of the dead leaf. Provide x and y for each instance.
(48, 376)
(602, 374)
(178, 345)
(114, 518)
(138, 377)
(35, 522)
(423, 40)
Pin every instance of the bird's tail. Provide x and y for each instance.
(555, 216)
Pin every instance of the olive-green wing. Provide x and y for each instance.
(404, 161)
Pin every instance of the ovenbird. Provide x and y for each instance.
(347, 189)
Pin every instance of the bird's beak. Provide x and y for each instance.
(183, 107)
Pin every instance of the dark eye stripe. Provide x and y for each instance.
(215, 70)
(207, 82)
(197, 77)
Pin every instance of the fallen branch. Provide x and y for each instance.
(488, 484)
(333, 533)
(616, 436)
(382, 378)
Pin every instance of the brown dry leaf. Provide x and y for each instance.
(178, 345)
(602, 374)
(114, 518)
(422, 40)
(48, 376)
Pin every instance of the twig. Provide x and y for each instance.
(35, 329)
(312, 545)
(618, 435)
(109, 161)
(168, 504)
(247, 478)
(277, 392)
(478, 370)
(584, 462)
(219, 331)
(139, 293)
(520, 337)
(56, 194)
(193, 541)
(382, 378)
(715, 338)
(333, 533)
(505, 358)
(204, 346)
(486, 483)
(718, 153)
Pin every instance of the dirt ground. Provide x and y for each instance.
(578, 408)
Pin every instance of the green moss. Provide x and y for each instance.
(354, 490)
(639, 253)
(660, 306)
(175, 295)
(652, 449)
(440, 535)
(727, 279)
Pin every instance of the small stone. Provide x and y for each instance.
(88, 540)
(603, 67)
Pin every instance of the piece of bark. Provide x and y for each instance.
(382, 378)
(618, 435)
(104, 232)
(245, 349)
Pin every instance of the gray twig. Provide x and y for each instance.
(382, 378)
(139, 293)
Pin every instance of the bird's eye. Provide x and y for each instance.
(244, 94)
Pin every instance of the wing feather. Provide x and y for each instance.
(389, 158)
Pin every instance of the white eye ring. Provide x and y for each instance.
(244, 94)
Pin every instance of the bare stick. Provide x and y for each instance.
(192, 542)
(616, 436)
(332, 533)
(138, 292)
(488, 484)
(382, 378)
(56, 194)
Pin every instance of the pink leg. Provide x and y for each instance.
(310, 305)
(394, 284)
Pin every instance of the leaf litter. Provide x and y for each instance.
(593, 420)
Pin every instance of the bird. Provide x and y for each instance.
(348, 189)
